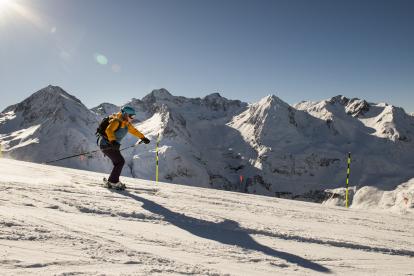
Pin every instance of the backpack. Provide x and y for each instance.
(100, 131)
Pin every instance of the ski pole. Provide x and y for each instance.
(156, 158)
(64, 158)
(85, 153)
(347, 180)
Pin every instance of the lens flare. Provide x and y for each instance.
(116, 68)
(101, 59)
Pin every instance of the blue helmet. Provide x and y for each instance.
(128, 110)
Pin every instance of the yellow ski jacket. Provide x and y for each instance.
(118, 128)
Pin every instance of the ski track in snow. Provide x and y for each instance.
(59, 221)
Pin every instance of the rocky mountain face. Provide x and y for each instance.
(268, 147)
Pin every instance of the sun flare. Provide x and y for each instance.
(11, 10)
(4, 5)
(4, 2)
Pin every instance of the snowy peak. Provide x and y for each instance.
(273, 101)
(381, 120)
(270, 108)
(161, 93)
(267, 121)
(211, 107)
(357, 107)
(47, 95)
(157, 95)
(338, 106)
(153, 102)
(390, 122)
(213, 97)
(50, 123)
(105, 109)
(216, 102)
(354, 107)
(49, 102)
(339, 99)
(52, 92)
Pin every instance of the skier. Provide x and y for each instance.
(119, 125)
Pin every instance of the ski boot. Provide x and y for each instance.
(117, 186)
(107, 184)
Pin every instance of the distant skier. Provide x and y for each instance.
(115, 127)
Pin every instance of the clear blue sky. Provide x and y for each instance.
(297, 50)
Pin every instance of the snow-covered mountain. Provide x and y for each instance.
(105, 109)
(48, 125)
(380, 137)
(192, 133)
(60, 221)
(268, 147)
(350, 115)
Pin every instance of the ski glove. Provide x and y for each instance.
(145, 140)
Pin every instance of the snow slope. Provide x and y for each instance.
(400, 200)
(59, 221)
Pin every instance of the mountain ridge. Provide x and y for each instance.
(268, 147)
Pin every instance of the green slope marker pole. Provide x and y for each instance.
(156, 158)
(347, 180)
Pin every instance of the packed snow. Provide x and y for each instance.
(60, 221)
(400, 200)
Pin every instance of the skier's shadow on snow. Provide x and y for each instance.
(225, 232)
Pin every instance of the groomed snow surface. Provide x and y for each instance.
(59, 221)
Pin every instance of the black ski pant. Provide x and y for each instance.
(117, 160)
